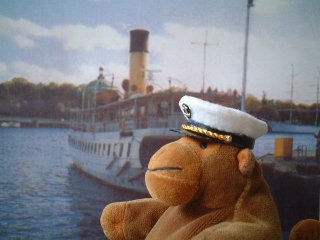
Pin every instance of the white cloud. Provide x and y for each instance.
(84, 73)
(24, 27)
(23, 41)
(73, 37)
(80, 37)
(38, 74)
(3, 68)
(22, 31)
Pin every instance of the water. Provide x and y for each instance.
(43, 197)
(265, 144)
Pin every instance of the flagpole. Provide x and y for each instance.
(245, 58)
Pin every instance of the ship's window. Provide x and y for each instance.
(129, 149)
(103, 149)
(121, 150)
(99, 149)
(142, 110)
(91, 147)
(104, 117)
(112, 116)
(95, 148)
(109, 147)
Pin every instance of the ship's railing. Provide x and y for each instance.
(149, 121)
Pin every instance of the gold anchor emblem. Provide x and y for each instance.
(186, 110)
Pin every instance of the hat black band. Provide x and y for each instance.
(241, 141)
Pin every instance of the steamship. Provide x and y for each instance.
(114, 134)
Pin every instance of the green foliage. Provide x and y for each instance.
(276, 110)
(19, 97)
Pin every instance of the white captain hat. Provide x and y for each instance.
(220, 124)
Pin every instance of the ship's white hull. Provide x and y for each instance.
(111, 158)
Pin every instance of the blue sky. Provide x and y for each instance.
(66, 41)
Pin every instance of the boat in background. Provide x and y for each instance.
(114, 134)
(280, 127)
(10, 125)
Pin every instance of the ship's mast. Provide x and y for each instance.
(205, 44)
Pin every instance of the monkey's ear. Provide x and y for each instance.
(246, 162)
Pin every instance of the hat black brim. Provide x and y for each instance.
(196, 135)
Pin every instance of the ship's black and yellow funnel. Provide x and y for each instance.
(138, 60)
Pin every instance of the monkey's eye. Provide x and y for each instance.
(204, 145)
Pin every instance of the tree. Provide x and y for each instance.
(21, 97)
(253, 105)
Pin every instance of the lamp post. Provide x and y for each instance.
(170, 79)
(82, 109)
(317, 104)
(245, 58)
(291, 92)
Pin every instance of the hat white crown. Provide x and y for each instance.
(222, 118)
